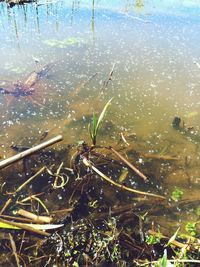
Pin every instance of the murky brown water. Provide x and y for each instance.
(155, 49)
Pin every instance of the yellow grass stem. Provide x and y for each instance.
(102, 175)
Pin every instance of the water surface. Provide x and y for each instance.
(154, 46)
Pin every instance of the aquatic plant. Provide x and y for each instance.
(63, 43)
(94, 128)
(90, 230)
(177, 194)
(191, 228)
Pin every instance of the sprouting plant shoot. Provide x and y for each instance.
(93, 129)
(177, 194)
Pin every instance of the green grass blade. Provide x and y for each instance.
(103, 113)
(92, 129)
(8, 226)
(164, 259)
(173, 237)
(94, 125)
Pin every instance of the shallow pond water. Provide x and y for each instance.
(154, 49)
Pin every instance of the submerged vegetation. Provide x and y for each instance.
(91, 225)
(95, 170)
(96, 123)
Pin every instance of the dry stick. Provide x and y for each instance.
(13, 245)
(34, 217)
(28, 152)
(88, 164)
(25, 227)
(144, 177)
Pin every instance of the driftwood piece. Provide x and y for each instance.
(30, 151)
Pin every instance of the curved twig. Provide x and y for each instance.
(89, 164)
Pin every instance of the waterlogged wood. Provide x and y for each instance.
(30, 151)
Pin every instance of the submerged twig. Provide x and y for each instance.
(174, 242)
(28, 152)
(30, 179)
(30, 198)
(124, 139)
(88, 164)
(62, 211)
(160, 157)
(6, 205)
(106, 82)
(14, 250)
(130, 165)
